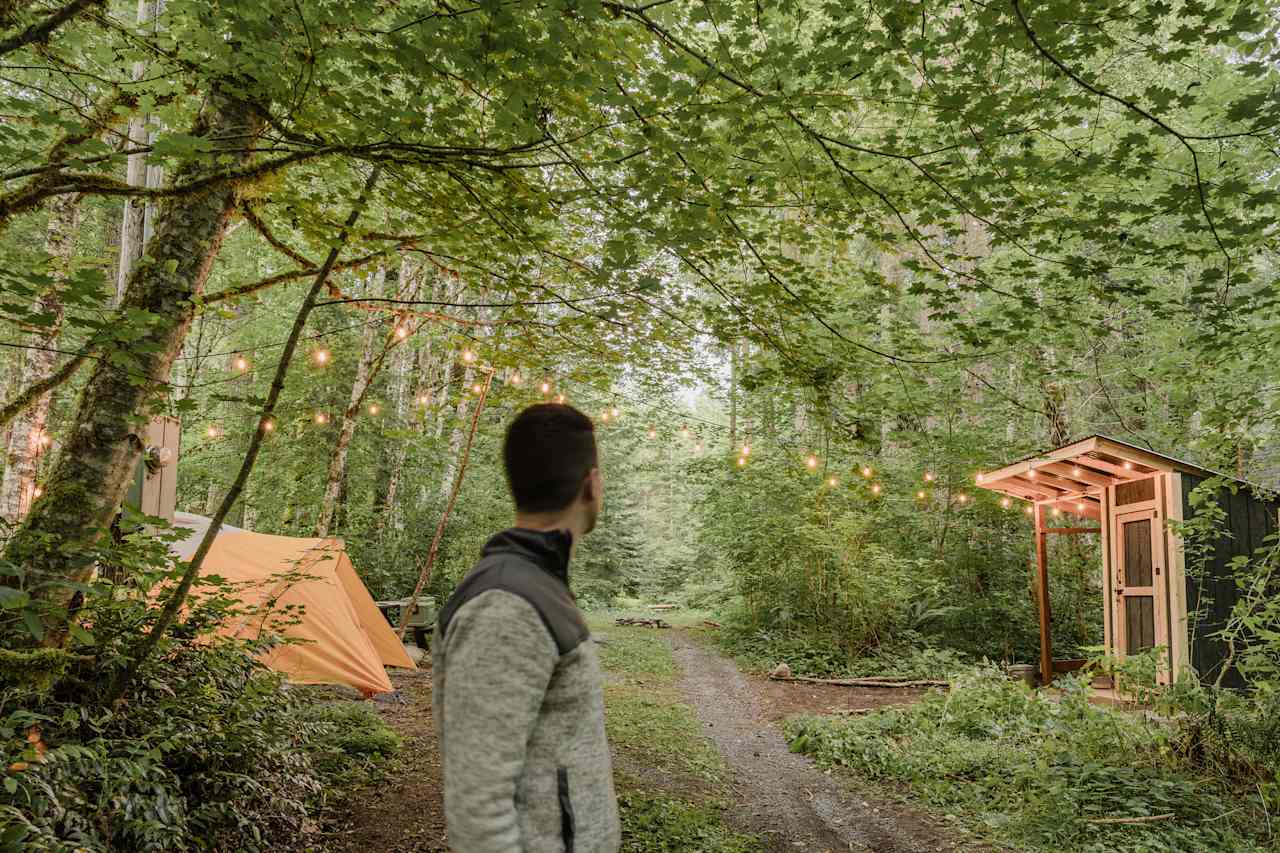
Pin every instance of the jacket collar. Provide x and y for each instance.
(549, 549)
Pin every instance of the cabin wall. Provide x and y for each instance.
(1211, 588)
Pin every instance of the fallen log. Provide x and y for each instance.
(641, 622)
(864, 682)
(1111, 821)
(711, 623)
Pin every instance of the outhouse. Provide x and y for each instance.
(1151, 597)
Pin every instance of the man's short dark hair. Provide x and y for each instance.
(549, 450)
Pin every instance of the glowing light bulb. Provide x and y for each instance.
(1030, 510)
(468, 356)
(614, 411)
(1031, 473)
(1079, 507)
(45, 439)
(605, 417)
(268, 426)
(746, 450)
(37, 492)
(423, 399)
(698, 447)
(242, 363)
(322, 418)
(875, 488)
(653, 433)
(1075, 472)
(373, 409)
(560, 399)
(1005, 502)
(477, 387)
(1128, 466)
(742, 460)
(546, 387)
(962, 497)
(515, 379)
(812, 462)
(866, 471)
(684, 432)
(833, 482)
(928, 476)
(402, 332)
(1056, 512)
(920, 494)
(321, 356)
(212, 431)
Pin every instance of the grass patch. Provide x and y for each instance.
(659, 824)
(820, 656)
(1031, 772)
(670, 777)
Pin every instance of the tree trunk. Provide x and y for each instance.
(365, 374)
(733, 396)
(29, 436)
(459, 433)
(134, 232)
(84, 489)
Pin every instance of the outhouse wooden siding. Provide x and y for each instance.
(1212, 591)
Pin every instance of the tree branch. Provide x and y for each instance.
(19, 403)
(39, 32)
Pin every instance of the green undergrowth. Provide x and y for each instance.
(819, 656)
(672, 782)
(1036, 773)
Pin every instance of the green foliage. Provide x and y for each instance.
(657, 824)
(346, 737)
(815, 655)
(1032, 772)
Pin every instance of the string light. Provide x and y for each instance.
(321, 357)
(322, 418)
(653, 433)
(45, 439)
(423, 399)
(920, 495)
(833, 482)
(605, 417)
(928, 476)
(242, 363)
(1080, 507)
(468, 356)
(477, 387)
(697, 448)
(812, 462)
(1030, 510)
(866, 471)
(268, 425)
(742, 460)
(373, 409)
(37, 492)
(1128, 466)
(875, 488)
(1056, 512)
(1005, 502)
(684, 432)
(560, 399)
(212, 431)
(402, 332)
(746, 450)
(962, 497)
(615, 411)
(546, 387)
(515, 379)
(1075, 472)
(1031, 473)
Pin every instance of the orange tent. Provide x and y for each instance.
(343, 637)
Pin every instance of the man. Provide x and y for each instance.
(517, 690)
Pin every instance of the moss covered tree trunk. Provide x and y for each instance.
(83, 492)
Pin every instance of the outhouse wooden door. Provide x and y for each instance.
(1139, 583)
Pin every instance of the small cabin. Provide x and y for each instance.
(1127, 495)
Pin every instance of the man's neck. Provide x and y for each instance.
(570, 521)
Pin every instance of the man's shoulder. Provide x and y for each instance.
(518, 576)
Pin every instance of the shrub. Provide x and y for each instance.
(1033, 771)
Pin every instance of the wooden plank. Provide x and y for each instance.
(1179, 662)
(1082, 474)
(1036, 475)
(1136, 491)
(1072, 530)
(1042, 598)
(1118, 470)
(1108, 604)
(1046, 490)
(1019, 468)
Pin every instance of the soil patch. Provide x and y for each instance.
(782, 699)
(403, 811)
(783, 796)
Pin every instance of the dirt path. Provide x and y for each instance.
(779, 794)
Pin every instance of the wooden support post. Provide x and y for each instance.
(1042, 595)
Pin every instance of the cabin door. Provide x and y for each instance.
(1138, 581)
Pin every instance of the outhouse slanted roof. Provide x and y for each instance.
(1071, 478)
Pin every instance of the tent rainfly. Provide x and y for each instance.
(344, 637)
(1150, 599)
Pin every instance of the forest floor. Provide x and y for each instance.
(700, 762)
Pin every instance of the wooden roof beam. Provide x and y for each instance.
(1131, 473)
(1080, 473)
(1039, 475)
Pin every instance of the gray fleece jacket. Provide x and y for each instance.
(517, 695)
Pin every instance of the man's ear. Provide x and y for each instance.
(589, 485)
